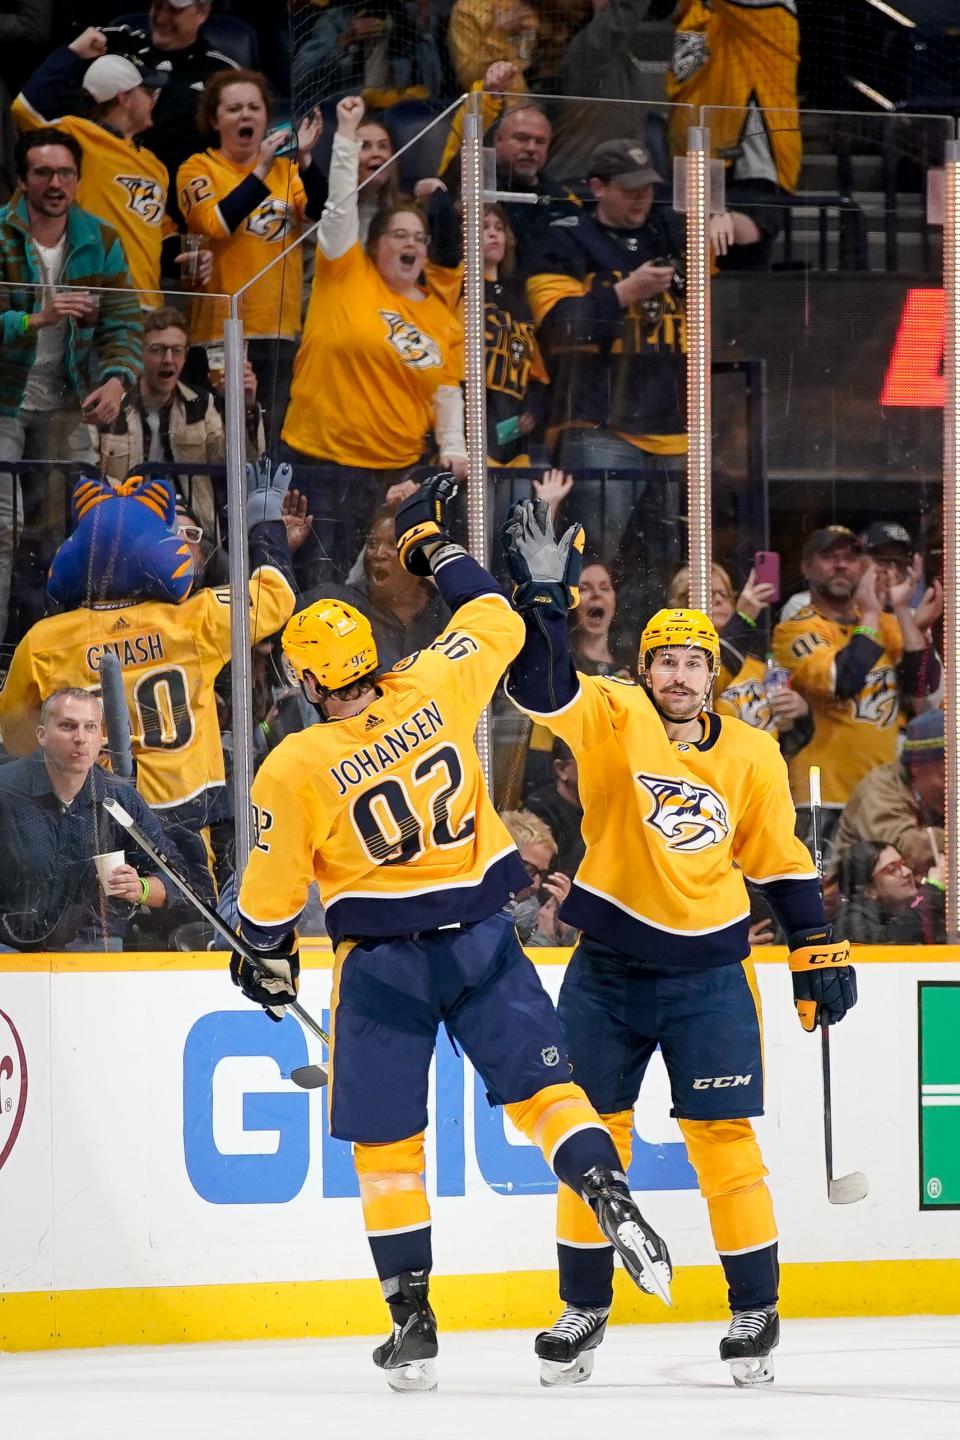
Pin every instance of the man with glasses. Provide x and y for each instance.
(123, 182)
(164, 420)
(69, 319)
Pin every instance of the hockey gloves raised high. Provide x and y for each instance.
(824, 981)
(272, 992)
(266, 488)
(544, 570)
(421, 521)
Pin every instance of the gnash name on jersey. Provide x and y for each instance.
(144, 197)
(689, 816)
(271, 221)
(419, 351)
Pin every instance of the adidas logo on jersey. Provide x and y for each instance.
(372, 722)
(120, 624)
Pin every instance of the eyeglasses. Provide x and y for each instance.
(157, 351)
(535, 872)
(193, 534)
(717, 597)
(51, 172)
(419, 237)
(895, 867)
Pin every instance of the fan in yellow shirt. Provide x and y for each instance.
(122, 182)
(250, 202)
(856, 662)
(380, 362)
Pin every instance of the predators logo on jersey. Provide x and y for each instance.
(690, 817)
(419, 351)
(879, 700)
(272, 220)
(144, 197)
(748, 701)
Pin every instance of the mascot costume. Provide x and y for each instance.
(122, 582)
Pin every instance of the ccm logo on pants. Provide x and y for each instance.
(722, 1082)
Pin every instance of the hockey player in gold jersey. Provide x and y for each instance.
(170, 654)
(680, 806)
(384, 805)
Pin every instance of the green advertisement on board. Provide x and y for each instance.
(939, 1022)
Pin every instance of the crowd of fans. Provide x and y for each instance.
(157, 173)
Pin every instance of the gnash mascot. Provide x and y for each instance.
(125, 546)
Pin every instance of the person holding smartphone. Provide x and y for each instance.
(748, 685)
(251, 200)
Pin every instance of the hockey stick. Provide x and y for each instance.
(116, 716)
(845, 1189)
(308, 1077)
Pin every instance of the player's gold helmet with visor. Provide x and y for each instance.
(331, 640)
(680, 627)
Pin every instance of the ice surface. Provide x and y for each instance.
(877, 1379)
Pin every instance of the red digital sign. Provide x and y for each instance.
(914, 377)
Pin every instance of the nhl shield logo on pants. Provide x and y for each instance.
(550, 1056)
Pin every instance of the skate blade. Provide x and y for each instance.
(654, 1277)
(755, 1370)
(416, 1375)
(567, 1372)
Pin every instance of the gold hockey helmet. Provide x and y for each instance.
(331, 640)
(680, 627)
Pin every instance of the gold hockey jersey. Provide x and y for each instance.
(125, 185)
(850, 736)
(388, 810)
(740, 57)
(170, 656)
(270, 309)
(672, 829)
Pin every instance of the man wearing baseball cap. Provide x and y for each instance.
(121, 182)
(174, 43)
(608, 297)
(858, 654)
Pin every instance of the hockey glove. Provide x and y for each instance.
(421, 521)
(263, 988)
(266, 488)
(824, 981)
(544, 571)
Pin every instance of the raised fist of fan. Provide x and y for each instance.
(421, 521)
(544, 570)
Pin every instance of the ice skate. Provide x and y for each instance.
(408, 1354)
(642, 1251)
(748, 1344)
(566, 1349)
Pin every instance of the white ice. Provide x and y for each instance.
(877, 1379)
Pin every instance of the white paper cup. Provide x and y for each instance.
(107, 863)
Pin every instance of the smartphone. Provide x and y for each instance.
(767, 565)
(289, 146)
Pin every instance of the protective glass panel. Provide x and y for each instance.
(111, 501)
(828, 394)
(586, 381)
